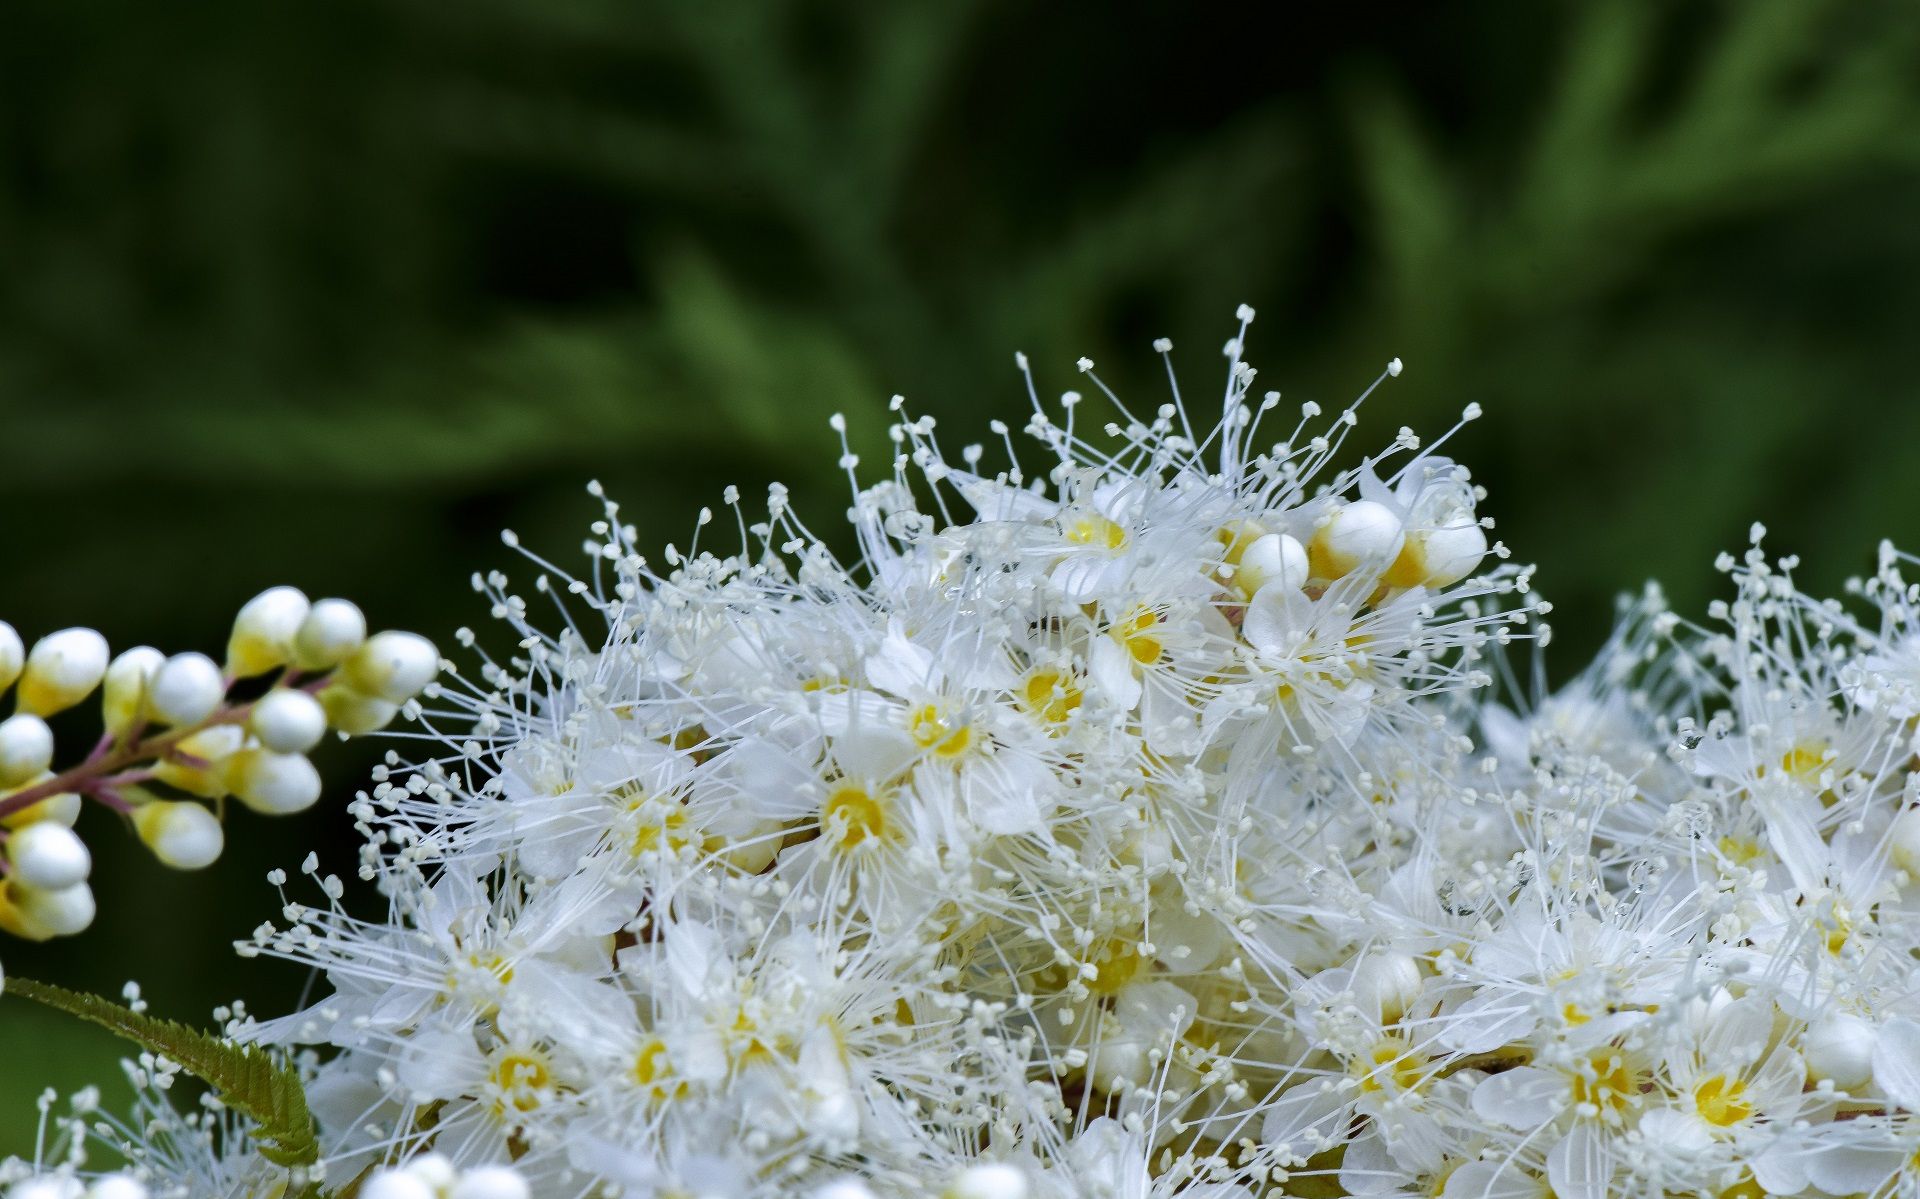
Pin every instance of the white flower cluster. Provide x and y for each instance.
(176, 736)
(1171, 823)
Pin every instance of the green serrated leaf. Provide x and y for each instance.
(246, 1077)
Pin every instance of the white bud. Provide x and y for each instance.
(396, 1184)
(186, 689)
(1454, 552)
(26, 749)
(264, 630)
(13, 655)
(333, 629)
(1363, 531)
(182, 834)
(1839, 1047)
(41, 915)
(48, 856)
(1274, 560)
(273, 784)
(1904, 841)
(490, 1182)
(62, 669)
(994, 1181)
(123, 696)
(288, 721)
(845, 1188)
(46, 1188)
(353, 713)
(1388, 982)
(117, 1186)
(434, 1169)
(392, 666)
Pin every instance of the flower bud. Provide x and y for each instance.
(50, 1186)
(1904, 841)
(993, 1181)
(273, 784)
(62, 669)
(392, 666)
(181, 833)
(62, 808)
(1839, 1047)
(117, 1186)
(13, 655)
(490, 1182)
(1363, 531)
(1454, 552)
(1387, 982)
(353, 713)
(38, 915)
(1276, 559)
(26, 749)
(186, 690)
(844, 1188)
(48, 856)
(198, 762)
(264, 630)
(287, 721)
(333, 629)
(1438, 557)
(396, 1184)
(123, 697)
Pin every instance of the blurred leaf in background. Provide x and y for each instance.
(327, 293)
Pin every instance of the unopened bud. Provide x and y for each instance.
(123, 697)
(353, 713)
(48, 856)
(994, 1181)
(62, 669)
(38, 915)
(1363, 531)
(287, 721)
(117, 1186)
(186, 690)
(392, 666)
(1273, 560)
(13, 655)
(333, 629)
(264, 630)
(26, 749)
(182, 834)
(273, 784)
(490, 1182)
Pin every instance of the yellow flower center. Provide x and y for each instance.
(1096, 531)
(1119, 962)
(521, 1076)
(653, 1070)
(1606, 1081)
(1390, 1063)
(1049, 693)
(1722, 1101)
(1138, 634)
(853, 815)
(931, 728)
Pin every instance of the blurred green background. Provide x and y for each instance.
(329, 291)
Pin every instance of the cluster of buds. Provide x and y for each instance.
(182, 735)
